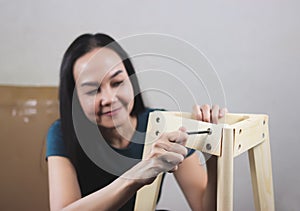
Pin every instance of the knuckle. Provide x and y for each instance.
(180, 158)
(184, 136)
(178, 134)
(185, 152)
(168, 147)
(205, 106)
(215, 106)
(156, 144)
(154, 154)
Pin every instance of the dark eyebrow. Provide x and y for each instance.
(115, 74)
(90, 84)
(97, 84)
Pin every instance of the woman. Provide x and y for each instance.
(97, 74)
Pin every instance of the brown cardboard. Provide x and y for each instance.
(25, 116)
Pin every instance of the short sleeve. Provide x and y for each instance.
(55, 145)
(190, 152)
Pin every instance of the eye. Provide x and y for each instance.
(117, 83)
(93, 92)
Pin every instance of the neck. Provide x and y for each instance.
(119, 137)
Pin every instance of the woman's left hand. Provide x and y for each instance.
(206, 113)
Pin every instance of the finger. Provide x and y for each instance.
(177, 137)
(156, 151)
(173, 170)
(215, 114)
(170, 160)
(205, 109)
(182, 129)
(170, 147)
(196, 114)
(222, 112)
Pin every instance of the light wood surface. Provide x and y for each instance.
(225, 172)
(234, 135)
(261, 174)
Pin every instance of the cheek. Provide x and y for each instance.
(87, 103)
(125, 93)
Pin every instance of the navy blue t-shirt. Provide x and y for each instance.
(91, 177)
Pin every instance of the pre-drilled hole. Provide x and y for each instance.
(263, 135)
(239, 147)
(157, 119)
(264, 122)
(240, 131)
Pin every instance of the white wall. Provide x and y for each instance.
(254, 46)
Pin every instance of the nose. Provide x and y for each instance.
(107, 97)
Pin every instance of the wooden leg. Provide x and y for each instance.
(147, 196)
(261, 174)
(225, 173)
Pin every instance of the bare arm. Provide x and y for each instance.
(210, 195)
(192, 179)
(64, 189)
(197, 183)
(65, 192)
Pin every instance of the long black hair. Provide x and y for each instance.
(79, 47)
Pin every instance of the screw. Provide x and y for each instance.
(208, 146)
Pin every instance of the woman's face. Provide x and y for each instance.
(103, 87)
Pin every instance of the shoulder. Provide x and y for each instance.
(55, 127)
(142, 118)
(55, 144)
(156, 109)
(147, 111)
(54, 131)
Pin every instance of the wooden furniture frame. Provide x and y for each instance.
(234, 135)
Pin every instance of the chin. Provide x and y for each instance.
(111, 123)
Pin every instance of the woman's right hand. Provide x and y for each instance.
(167, 152)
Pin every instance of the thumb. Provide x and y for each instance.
(182, 129)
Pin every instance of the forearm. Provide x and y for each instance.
(111, 197)
(116, 194)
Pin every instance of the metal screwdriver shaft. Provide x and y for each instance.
(208, 131)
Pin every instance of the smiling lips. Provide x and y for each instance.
(110, 112)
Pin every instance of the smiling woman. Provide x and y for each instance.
(104, 89)
(97, 74)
